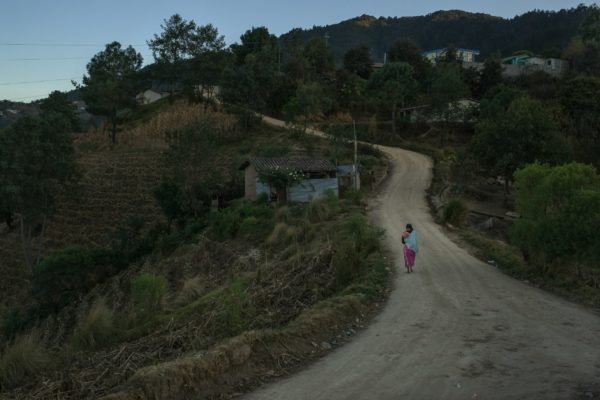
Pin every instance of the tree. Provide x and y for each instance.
(111, 83)
(509, 136)
(308, 102)
(590, 28)
(560, 215)
(37, 164)
(447, 87)
(580, 99)
(407, 51)
(358, 61)
(393, 86)
(182, 40)
(490, 76)
(319, 58)
(58, 102)
(254, 41)
(352, 93)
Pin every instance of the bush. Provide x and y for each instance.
(226, 224)
(237, 312)
(14, 322)
(455, 213)
(347, 262)
(148, 292)
(560, 216)
(25, 358)
(63, 276)
(354, 196)
(94, 329)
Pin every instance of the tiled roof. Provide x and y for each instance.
(297, 164)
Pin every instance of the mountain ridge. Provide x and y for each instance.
(543, 32)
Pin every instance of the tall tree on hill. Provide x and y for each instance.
(580, 100)
(256, 40)
(111, 83)
(320, 58)
(179, 41)
(37, 164)
(407, 51)
(447, 87)
(490, 76)
(393, 86)
(58, 102)
(308, 102)
(358, 61)
(513, 133)
(590, 28)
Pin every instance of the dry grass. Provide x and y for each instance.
(151, 134)
(282, 234)
(95, 328)
(24, 358)
(192, 289)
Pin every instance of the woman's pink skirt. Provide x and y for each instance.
(409, 257)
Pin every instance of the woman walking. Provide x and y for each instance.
(411, 247)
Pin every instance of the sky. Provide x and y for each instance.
(53, 40)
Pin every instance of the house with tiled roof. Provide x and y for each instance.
(318, 176)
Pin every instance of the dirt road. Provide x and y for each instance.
(456, 328)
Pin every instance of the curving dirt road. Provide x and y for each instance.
(456, 328)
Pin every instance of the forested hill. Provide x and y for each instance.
(543, 32)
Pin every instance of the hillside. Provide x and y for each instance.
(545, 32)
(249, 266)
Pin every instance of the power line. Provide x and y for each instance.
(55, 58)
(44, 59)
(63, 44)
(28, 82)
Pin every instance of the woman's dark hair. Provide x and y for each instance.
(409, 227)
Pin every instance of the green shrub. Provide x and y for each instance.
(15, 321)
(148, 292)
(95, 328)
(169, 197)
(455, 213)
(354, 196)
(237, 310)
(24, 358)
(224, 224)
(560, 216)
(347, 262)
(62, 276)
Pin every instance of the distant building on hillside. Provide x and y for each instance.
(524, 64)
(149, 96)
(464, 55)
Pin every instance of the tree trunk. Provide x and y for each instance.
(281, 195)
(394, 120)
(26, 244)
(113, 131)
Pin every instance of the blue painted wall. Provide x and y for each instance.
(305, 191)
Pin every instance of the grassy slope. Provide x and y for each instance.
(252, 281)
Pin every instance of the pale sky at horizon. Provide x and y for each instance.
(53, 40)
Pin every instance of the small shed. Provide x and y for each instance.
(148, 97)
(319, 176)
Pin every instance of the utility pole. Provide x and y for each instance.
(326, 39)
(355, 156)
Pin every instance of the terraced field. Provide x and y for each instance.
(115, 185)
